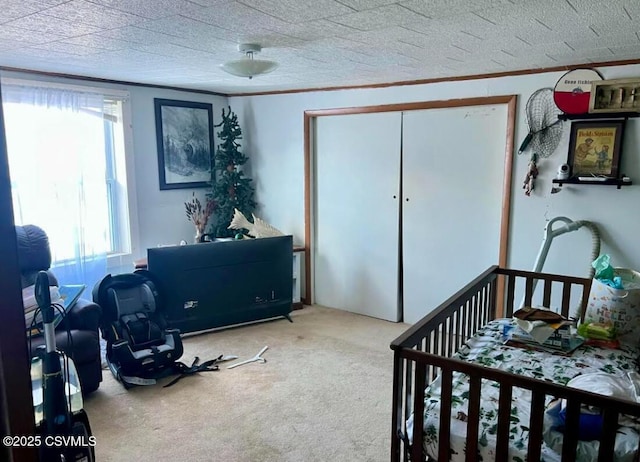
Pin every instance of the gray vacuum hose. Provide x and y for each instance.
(566, 225)
(595, 242)
(595, 253)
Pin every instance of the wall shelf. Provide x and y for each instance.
(619, 182)
(599, 115)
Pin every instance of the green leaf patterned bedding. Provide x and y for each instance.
(487, 348)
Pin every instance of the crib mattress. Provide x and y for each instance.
(487, 348)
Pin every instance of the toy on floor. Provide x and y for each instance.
(256, 358)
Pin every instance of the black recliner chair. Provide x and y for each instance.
(83, 319)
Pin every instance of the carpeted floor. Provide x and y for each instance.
(323, 395)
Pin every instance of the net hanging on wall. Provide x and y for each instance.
(545, 131)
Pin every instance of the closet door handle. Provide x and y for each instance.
(407, 199)
(394, 196)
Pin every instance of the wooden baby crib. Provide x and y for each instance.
(424, 354)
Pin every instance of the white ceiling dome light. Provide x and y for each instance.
(248, 66)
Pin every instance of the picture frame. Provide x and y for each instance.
(595, 148)
(184, 138)
(619, 95)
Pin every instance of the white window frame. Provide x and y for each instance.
(124, 261)
(127, 219)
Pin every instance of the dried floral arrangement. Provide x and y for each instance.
(199, 215)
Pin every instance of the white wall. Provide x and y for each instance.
(161, 214)
(273, 125)
(157, 217)
(273, 140)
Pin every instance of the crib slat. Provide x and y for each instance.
(398, 375)
(456, 333)
(511, 288)
(418, 410)
(445, 337)
(445, 416)
(535, 425)
(487, 303)
(483, 305)
(504, 418)
(463, 326)
(458, 340)
(467, 306)
(473, 419)
(408, 383)
(429, 349)
(492, 299)
(451, 332)
(572, 422)
(528, 292)
(479, 308)
(463, 329)
(471, 316)
(608, 438)
(459, 328)
(566, 295)
(585, 300)
(546, 296)
(476, 314)
(436, 341)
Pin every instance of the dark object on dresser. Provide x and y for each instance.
(221, 283)
(83, 318)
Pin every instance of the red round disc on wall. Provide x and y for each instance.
(572, 92)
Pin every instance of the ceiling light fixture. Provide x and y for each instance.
(248, 66)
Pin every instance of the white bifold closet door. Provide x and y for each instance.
(357, 181)
(452, 180)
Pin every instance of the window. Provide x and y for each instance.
(115, 176)
(66, 150)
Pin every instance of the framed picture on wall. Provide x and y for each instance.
(595, 148)
(184, 136)
(620, 95)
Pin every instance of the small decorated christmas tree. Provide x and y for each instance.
(230, 188)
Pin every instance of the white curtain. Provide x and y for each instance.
(56, 149)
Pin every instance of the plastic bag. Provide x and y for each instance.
(605, 273)
(598, 331)
(603, 267)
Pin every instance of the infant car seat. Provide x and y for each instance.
(140, 347)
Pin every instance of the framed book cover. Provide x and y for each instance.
(595, 148)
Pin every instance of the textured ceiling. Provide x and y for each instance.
(318, 43)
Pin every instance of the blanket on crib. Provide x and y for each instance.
(487, 348)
